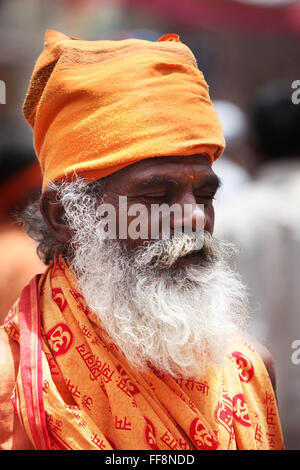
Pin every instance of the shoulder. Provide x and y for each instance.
(12, 435)
(9, 363)
(265, 356)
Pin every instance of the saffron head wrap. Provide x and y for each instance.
(99, 106)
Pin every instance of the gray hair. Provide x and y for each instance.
(73, 194)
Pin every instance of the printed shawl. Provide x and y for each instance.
(75, 390)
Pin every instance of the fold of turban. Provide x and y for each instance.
(99, 106)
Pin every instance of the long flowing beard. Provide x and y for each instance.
(177, 320)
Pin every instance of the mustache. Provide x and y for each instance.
(164, 253)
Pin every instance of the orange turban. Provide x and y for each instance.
(99, 106)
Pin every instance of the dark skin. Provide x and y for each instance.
(169, 180)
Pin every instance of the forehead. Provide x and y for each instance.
(194, 167)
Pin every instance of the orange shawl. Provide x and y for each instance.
(75, 390)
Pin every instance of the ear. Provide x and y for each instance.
(52, 211)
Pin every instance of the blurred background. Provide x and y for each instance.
(249, 52)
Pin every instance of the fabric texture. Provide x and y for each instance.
(75, 390)
(98, 106)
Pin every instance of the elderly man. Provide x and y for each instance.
(132, 338)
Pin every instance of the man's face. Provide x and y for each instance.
(183, 181)
(160, 302)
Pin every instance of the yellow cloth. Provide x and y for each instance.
(93, 399)
(98, 106)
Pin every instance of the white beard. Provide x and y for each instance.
(177, 320)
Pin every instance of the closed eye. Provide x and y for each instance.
(155, 197)
(209, 197)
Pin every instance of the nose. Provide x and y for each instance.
(190, 217)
